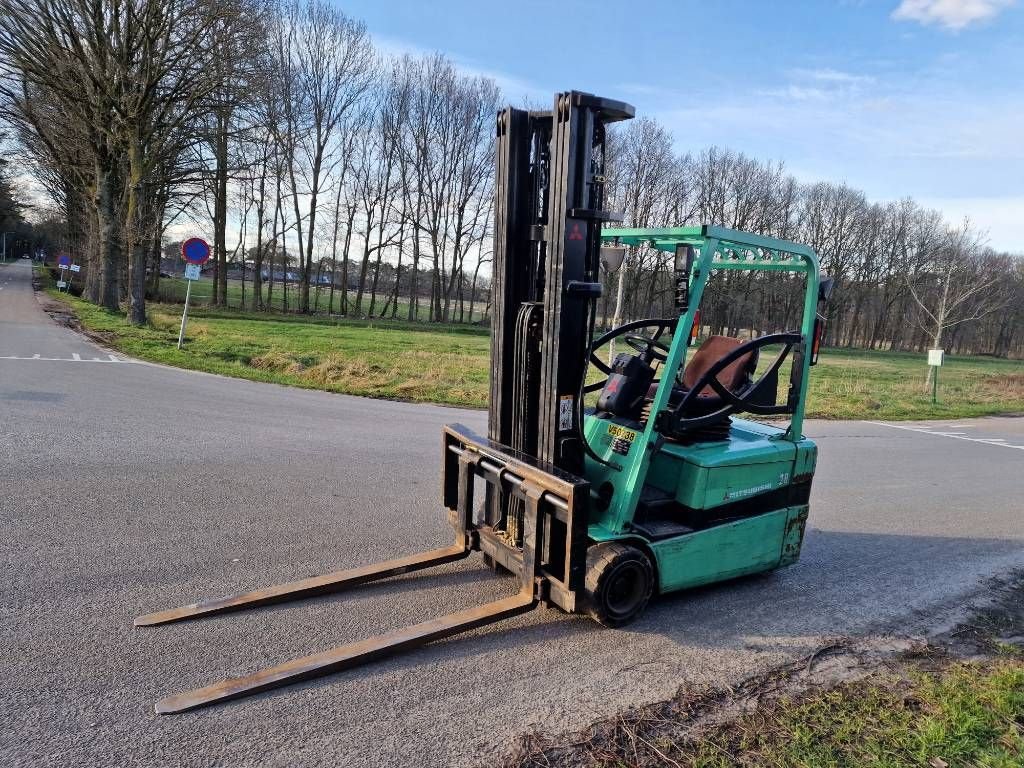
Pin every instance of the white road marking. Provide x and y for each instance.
(996, 441)
(76, 359)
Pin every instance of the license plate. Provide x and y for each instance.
(614, 430)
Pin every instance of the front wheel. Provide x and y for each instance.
(620, 580)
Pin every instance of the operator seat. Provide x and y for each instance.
(735, 377)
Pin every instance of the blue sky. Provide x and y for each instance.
(920, 98)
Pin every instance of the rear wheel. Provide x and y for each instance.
(620, 580)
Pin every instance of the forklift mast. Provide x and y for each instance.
(550, 196)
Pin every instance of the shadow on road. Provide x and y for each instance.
(846, 583)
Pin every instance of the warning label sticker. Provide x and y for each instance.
(565, 410)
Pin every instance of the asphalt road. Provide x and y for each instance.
(127, 488)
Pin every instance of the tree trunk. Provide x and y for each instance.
(107, 233)
(220, 215)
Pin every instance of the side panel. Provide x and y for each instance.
(724, 552)
(793, 538)
(712, 487)
(806, 459)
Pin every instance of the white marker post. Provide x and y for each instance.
(935, 357)
(196, 252)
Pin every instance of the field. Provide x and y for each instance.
(449, 364)
(172, 290)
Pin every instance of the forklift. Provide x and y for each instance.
(655, 487)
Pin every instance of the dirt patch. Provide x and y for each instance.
(633, 737)
(63, 315)
(995, 628)
(880, 675)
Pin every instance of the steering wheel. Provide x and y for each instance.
(638, 342)
(649, 348)
(673, 422)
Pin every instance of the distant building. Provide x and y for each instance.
(280, 276)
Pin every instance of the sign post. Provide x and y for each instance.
(63, 263)
(196, 252)
(935, 361)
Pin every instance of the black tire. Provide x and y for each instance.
(620, 580)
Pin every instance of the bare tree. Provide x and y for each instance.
(331, 62)
(956, 286)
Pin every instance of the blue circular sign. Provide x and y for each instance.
(195, 250)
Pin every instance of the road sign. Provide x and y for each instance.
(195, 250)
(63, 261)
(76, 268)
(935, 356)
(61, 284)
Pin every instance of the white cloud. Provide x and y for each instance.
(820, 85)
(952, 14)
(829, 75)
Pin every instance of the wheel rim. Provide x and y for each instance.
(626, 588)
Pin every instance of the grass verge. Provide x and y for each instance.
(967, 714)
(958, 702)
(385, 361)
(449, 364)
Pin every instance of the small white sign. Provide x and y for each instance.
(192, 271)
(62, 266)
(935, 356)
(76, 268)
(61, 284)
(565, 412)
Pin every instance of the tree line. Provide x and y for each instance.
(905, 278)
(303, 151)
(278, 120)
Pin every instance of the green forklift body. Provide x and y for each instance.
(721, 508)
(742, 503)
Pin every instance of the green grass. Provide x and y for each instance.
(858, 384)
(449, 364)
(387, 360)
(967, 715)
